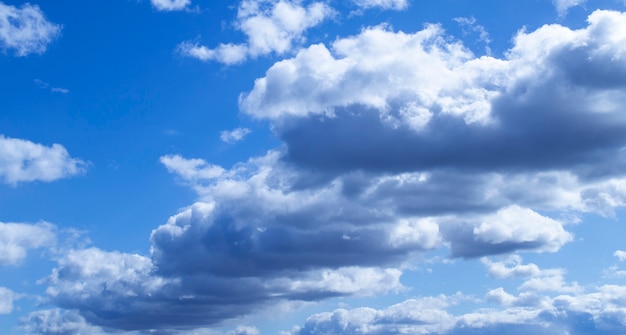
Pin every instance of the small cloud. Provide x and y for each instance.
(382, 4)
(170, 5)
(234, 135)
(562, 6)
(621, 255)
(44, 85)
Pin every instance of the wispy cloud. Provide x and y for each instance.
(235, 135)
(25, 30)
(44, 85)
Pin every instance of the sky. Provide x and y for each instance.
(296, 167)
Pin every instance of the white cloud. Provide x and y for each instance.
(17, 238)
(25, 30)
(562, 6)
(621, 255)
(192, 170)
(270, 26)
(58, 322)
(384, 4)
(511, 267)
(235, 135)
(599, 312)
(25, 161)
(170, 5)
(6, 300)
(521, 225)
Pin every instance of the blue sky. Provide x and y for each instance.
(312, 167)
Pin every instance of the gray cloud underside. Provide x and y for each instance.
(395, 144)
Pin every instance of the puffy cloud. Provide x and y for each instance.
(415, 316)
(461, 152)
(58, 322)
(510, 267)
(6, 300)
(235, 135)
(270, 26)
(25, 161)
(598, 312)
(428, 103)
(621, 255)
(25, 30)
(17, 238)
(170, 5)
(384, 4)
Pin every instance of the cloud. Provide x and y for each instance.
(17, 238)
(270, 26)
(383, 4)
(170, 5)
(562, 6)
(235, 135)
(475, 155)
(58, 322)
(621, 255)
(42, 84)
(6, 300)
(25, 30)
(511, 267)
(598, 312)
(407, 90)
(25, 161)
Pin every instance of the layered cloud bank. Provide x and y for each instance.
(395, 144)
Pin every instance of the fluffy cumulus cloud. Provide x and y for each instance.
(599, 311)
(58, 322)
(25, 161)
(16, 239)
(170, 5)
(476, 155)
(270, 26)
(25, 30)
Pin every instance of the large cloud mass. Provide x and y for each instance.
(395, 144)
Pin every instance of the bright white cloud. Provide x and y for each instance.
(170, 5)
(384, 4)
(270, 26)
(16, 239)
(25, 30)
(235, 135)
(621, 255)
(521, 225)
(25, 161)
(6, 300)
